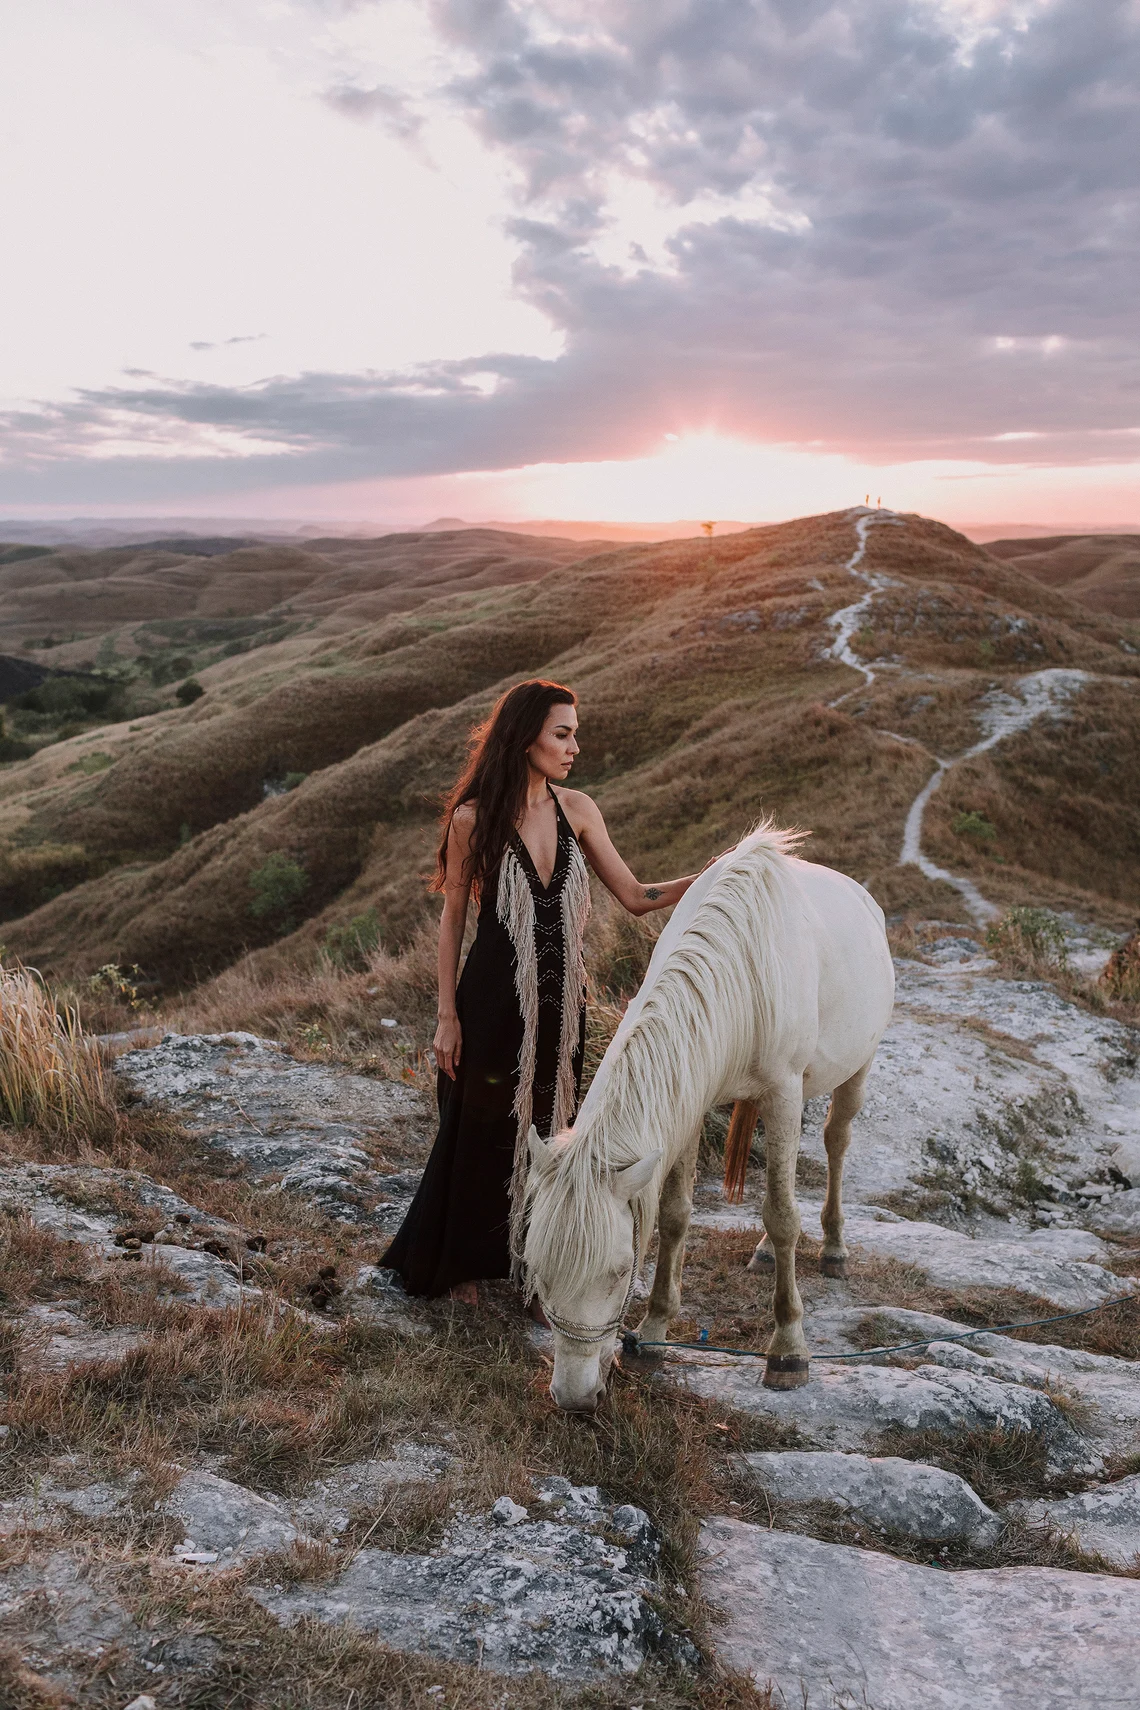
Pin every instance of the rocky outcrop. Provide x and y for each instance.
(565, 1590)
(891, 1495)
(307, 1127)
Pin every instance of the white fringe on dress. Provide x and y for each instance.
(514, 905)
(575, 902)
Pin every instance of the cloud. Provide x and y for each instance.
(221, 344)
(388, 108)
(894, 228)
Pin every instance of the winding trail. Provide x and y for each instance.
(850, 618)
(1003, 714)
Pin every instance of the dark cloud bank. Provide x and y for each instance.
(952, 254)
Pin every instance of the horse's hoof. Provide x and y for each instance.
(633, 1348)
(763, 1259)
(785, 1371)
(830, 1266)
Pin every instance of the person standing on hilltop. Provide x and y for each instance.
(508, 1047)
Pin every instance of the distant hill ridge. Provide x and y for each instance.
(1102, 571)
(706, 672)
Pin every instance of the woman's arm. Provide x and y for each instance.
(448, 1041)
(590, 828)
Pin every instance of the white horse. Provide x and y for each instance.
(772, 983)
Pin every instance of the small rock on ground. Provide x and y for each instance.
(887, 1492)
(1105, 1521)
(836, 1628)
(224, 1522)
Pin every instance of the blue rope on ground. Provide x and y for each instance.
(631, 1342)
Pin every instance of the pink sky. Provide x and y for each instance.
(385, 261)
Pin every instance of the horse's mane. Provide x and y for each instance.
(716, 978)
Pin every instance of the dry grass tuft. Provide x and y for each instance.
(999, 1464)
(51, 1077)
(322, 1010)
(1121, 978)
(21, 1688)
(1028, 942)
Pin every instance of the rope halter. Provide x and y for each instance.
(587, 1333)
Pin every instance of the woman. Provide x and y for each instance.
(508, 1046)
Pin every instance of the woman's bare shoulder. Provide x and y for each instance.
(463, 818)
(580, 809)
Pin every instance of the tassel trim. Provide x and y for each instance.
(514, 906)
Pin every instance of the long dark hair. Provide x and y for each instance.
(495, 776)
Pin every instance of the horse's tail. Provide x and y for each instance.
(737, 1148)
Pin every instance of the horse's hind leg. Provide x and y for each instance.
(846, 1103)
(787, 1362)
(673, 1212)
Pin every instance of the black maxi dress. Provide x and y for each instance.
(521, 1006)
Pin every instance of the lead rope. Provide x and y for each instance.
(631, 1342)
(599, 1332)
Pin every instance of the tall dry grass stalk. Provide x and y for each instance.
(52, 1076)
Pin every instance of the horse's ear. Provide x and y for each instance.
(627, 1184)
(541, 1151)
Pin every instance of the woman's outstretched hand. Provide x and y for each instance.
(447, 1044)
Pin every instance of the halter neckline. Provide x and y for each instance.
(525, 855)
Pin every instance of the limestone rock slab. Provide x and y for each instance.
(1111, 1385)
(836, 1628)
(848, 1407)
(1061, 1266)
(1105, 1521)
(1058, 1265)
(506, 1592)
(303, 1124)
(887, 1492)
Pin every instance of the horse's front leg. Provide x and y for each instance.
(673, 1212)
(787, 1362)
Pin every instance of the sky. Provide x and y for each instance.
(374, 261)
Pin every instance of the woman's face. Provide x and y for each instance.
(553, 754)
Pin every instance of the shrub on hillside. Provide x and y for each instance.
(276, 887)
(1029, 941)
(351, 944)
(75, 698)
(51, 1076)
(117, 985)
(188, 692)
(974, 824)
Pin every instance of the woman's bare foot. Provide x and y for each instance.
(466, 1293)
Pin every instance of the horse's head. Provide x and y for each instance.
(580, 1255)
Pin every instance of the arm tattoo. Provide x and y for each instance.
(652, 894)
